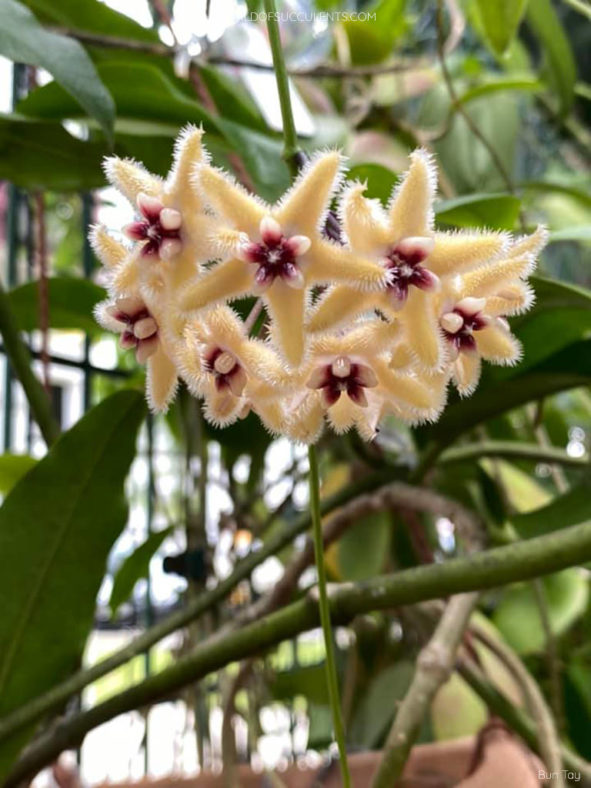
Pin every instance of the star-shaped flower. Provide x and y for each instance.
(171, 231)
(472, 310)
(348, 380)
(230, 371)
(278, 251)
(141, 330)
(415, 257)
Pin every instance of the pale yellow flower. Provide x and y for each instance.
(416, 258)
(171, 232)
(406, 307)
(349, 381)
(277, 251)
(230, 371)
(472, 311)
(140, 329)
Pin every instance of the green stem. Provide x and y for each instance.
(511, 449)
(58, 695)
(524, 560)
(290, 137)
(19, 358)
(516, 718)
(290, 154)
(331, 670)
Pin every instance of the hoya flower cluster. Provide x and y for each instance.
(380, 321)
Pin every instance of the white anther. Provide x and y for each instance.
(170, 219)
(169, 248)
(224, 363)
(270, 228)
(299, 244)
(471, 305)
(452, 322)
(145, 327)
(341, 367)
(414, 244)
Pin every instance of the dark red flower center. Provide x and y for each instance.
(343, 376)
(403, 263)
(140, 329)
(226, 369)
(460, 324)
(160, 229)
(276, 256)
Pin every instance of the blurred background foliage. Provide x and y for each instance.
(500, 92)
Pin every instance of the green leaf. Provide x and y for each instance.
(499, 84)
(372, 40)
(378, 704)
(362, 550)
(580, 233)
(320, 726)
(500, 20)
(232, 100)
(143, 93)
(91, 16)
(262, 156)
(582, 195)
(57, 526)
(468, 163)
(522, 490)
(496, 211)
(134, 568)
(561, 71)
(457, 711)
(518, 617)
(71, 302)
(44, 156)
(571, 508)
(140, 91)
(308, 681)
(380, 180)
(23, 40)
(557, 303)
(12, 468)
(566, 369)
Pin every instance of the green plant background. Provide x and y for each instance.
(515, 453)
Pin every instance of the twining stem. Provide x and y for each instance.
(547, 736)
(488, 569)
(515, 717)
(331, 670)
(512, 450)
(58, 695)
(290, 137)
(435, 665)
(19, 358)
(291, 154)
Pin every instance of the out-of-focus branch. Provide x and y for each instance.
(548, 741)
(455, 99)
(487, 569)
(517, 719)
(511, 450)
(58, 695)
(435, 664)
(322, 71)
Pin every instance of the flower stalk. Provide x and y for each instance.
(291, 155)
(331, 671)
(291, 148)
